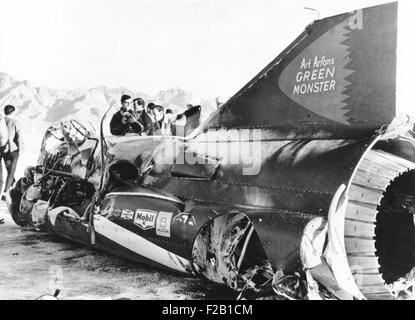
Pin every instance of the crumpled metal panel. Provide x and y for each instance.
(136, 149)
(214, 248)
(280, 233)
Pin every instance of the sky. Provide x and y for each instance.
(209, 47)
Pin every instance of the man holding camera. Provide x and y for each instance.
(123, 122)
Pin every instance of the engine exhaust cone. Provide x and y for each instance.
(379, 223)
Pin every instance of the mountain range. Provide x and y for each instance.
(37, 106)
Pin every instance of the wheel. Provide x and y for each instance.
(16, 194)
(14, 207)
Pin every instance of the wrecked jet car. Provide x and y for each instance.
(306, 173)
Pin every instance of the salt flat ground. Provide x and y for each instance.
(34, 263)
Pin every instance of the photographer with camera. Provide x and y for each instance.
(123, 122)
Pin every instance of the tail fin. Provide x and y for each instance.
(337, 79)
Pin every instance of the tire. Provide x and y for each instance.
(14, 208)
(16, 194)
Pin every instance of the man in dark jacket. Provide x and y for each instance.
(123, 122)
(147, 118)
(138, 106)
(158, 118)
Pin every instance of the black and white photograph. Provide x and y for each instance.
(198, 150)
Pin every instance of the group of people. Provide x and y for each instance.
(135, 118)
(11, 144)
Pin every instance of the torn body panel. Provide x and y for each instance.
(227, 250)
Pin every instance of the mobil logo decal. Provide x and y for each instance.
(145, 219)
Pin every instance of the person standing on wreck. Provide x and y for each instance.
(123, 121)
